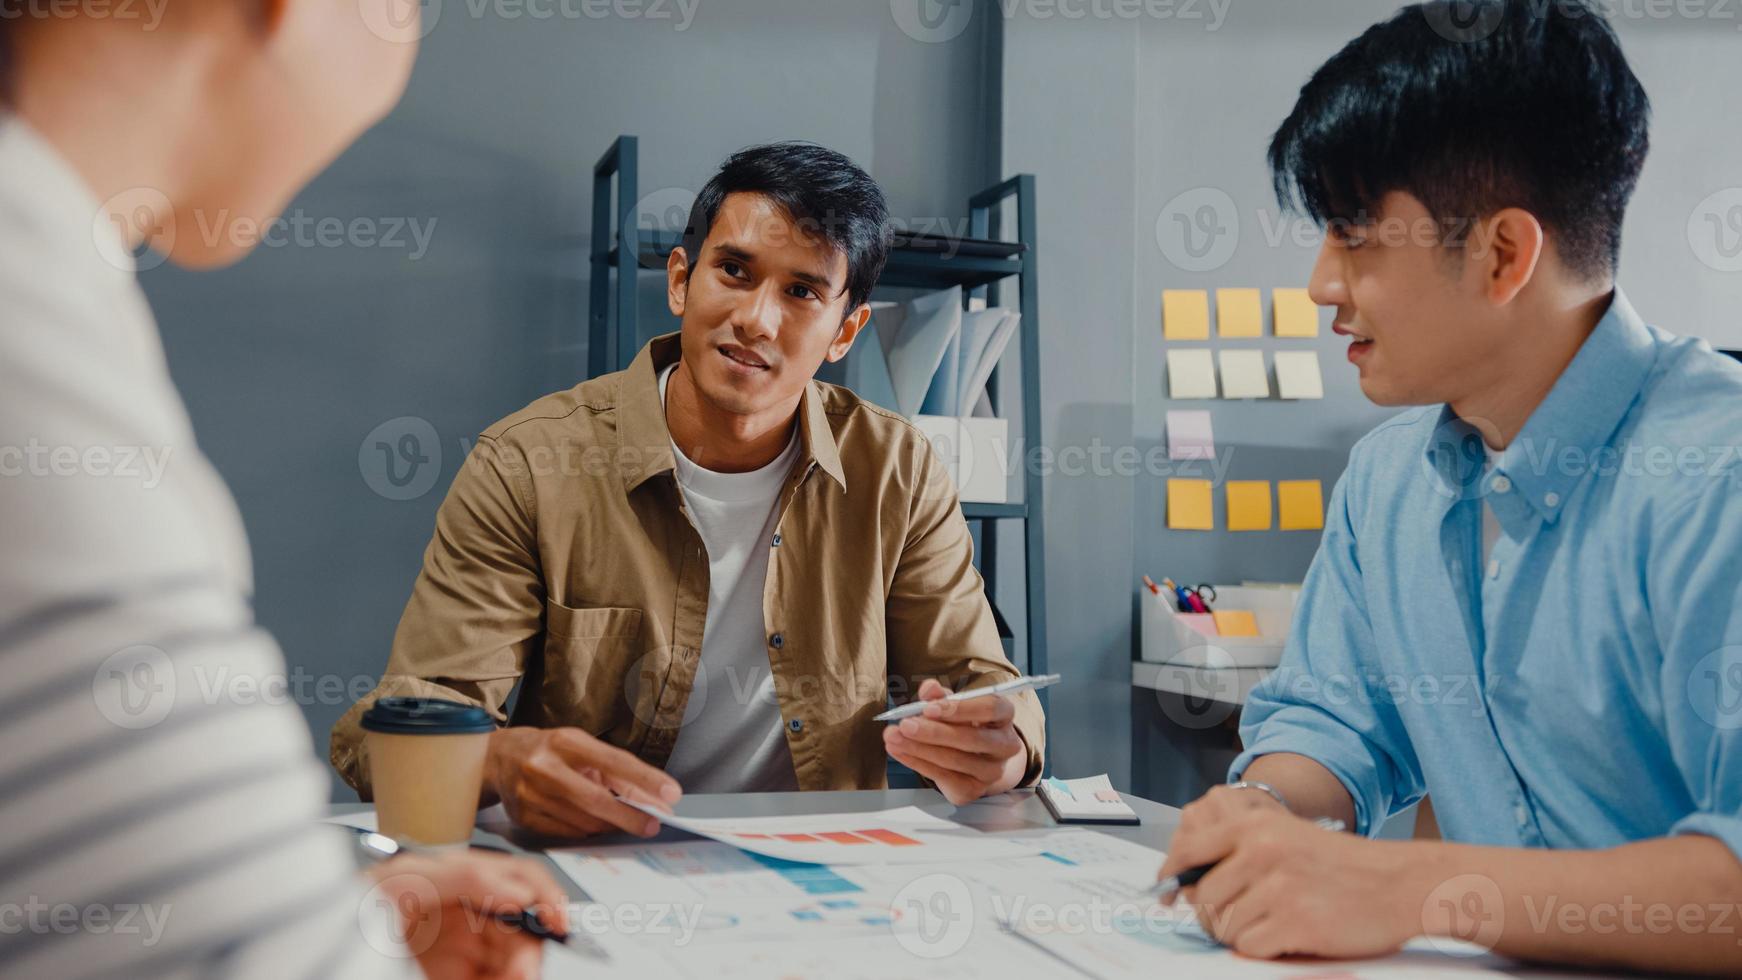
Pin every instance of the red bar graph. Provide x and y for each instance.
(889, 837)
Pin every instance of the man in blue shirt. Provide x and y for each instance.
(1526, 603)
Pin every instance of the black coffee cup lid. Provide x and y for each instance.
(426, 716)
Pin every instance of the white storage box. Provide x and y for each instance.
(975, 451)
(1169, 638)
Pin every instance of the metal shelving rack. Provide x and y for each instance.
(620, 248)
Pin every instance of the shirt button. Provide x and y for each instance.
(1493, 569)
(1552, 499)
(1502, 484)
(777, 540)
(795, 725)
(778, 641)
(1522, 814)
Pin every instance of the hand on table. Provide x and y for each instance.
(560, 781)
(969, 749)
(1286, 886)
(447, 903)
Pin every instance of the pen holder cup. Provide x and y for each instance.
(1169, 637)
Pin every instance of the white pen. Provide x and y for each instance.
(1008, 687)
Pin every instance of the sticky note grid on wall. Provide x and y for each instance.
(1240, 372)
(1239, 315)
(1246, 505)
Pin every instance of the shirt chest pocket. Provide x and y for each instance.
(589, 655)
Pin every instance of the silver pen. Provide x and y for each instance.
(912, 708)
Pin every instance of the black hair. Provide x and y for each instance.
(1473, 106)
(822, 191)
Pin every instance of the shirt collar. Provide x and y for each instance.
(1582, 412)
(55, 205)
(642, 419)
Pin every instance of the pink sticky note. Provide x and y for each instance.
(1189, 435)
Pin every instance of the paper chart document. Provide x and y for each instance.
(1072, 907)
(905, 835)
(704, 910)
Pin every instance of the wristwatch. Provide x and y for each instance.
(1264, 787)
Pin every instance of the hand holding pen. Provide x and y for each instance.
(1166, 886)
(1270, 883)
(965, 742)
(528, 904)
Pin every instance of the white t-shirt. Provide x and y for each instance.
(145, 784)
(732, 740)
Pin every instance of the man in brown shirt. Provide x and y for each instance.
(598, 548)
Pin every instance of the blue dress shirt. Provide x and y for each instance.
(1581, 689)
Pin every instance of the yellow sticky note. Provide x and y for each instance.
(1248, 505)
(1296, 313)
(1301, 503)
(1235, 622)
(1189, 506)
(1185, 314)
(1239, 313)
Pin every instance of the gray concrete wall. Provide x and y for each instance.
(290, 361)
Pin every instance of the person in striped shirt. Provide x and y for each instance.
(153, 823)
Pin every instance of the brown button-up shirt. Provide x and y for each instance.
(564, 559)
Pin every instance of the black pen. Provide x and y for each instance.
(380, 846)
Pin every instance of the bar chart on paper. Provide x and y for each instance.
(905, 835)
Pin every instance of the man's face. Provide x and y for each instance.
(1421, 328)
(763, 306)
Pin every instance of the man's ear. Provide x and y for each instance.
(677, 280)
(1506, 249)
(849, 332)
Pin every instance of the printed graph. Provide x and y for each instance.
(875, 836)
